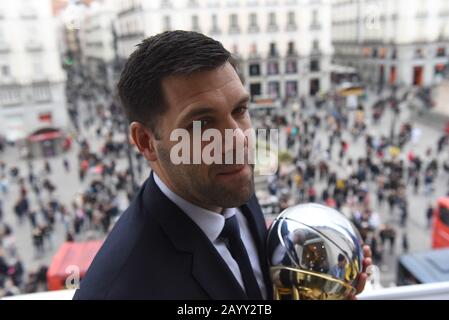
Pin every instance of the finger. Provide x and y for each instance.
(361, 283)
(367, 251)
(366, 263)
(352, 297)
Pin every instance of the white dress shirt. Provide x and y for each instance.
(212, 223)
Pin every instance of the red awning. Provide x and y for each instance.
(77, 254)
(45, 136)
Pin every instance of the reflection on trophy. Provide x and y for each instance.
(314, 252)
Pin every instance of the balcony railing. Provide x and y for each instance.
(34, 46)
(272, 28)
(234, 29)
(131, 35)
(314, 26)
(253, 29)
(430, 291)
(291, 27)
(215, 30)
(133, 8)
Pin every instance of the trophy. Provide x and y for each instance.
(315, 253)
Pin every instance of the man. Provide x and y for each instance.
(339, 270)
(173, 242)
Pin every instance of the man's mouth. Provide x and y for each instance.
(235, 169)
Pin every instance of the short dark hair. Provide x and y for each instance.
(157, 57)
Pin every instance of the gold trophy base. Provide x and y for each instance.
(295, 284)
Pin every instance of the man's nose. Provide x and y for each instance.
(235, 141)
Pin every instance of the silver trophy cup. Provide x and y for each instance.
(314, 252)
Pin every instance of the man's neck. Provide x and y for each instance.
(192, 200)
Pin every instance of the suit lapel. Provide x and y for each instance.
(208, 267)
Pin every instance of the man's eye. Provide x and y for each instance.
(240, 110)
(204, 122)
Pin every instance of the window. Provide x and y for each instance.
(272, 25)
(291, 67)
(366, 52)
(314, 17)
(233, 23)
(253, 27)
(315, 23)
(440, 69)
(272, 18)
(314, 86)
(273, 50)
(272, 68)
(215, 29)
(291, 21)
(5, 71)
(291, 49)
(253, 50)
(255, 89)
(316, 45)
(273, 89)
(314, 65)
(441, 52)
(254, 69)
(166, 25)
(291, 89)
(291, 18)
(419, 54)
(253, 19)
(195, 23)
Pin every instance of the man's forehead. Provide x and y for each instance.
(184, 89)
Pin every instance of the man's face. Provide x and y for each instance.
(218, 99)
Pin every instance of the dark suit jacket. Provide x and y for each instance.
(155, 251)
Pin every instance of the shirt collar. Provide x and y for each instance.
(210, 222)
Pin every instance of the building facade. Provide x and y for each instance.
(283, 46)
(32, 81)
(99, 51)
(401, 42)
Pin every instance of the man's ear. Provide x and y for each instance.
(143, 138)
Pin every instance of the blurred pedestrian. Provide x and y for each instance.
(429, 215)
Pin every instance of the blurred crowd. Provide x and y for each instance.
(363, 185)
(311, 170)
(34, 196)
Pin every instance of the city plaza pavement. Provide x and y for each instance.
(68, 186)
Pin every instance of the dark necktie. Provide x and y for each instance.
(231, 233)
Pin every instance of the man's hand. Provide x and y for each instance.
(363, 276)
